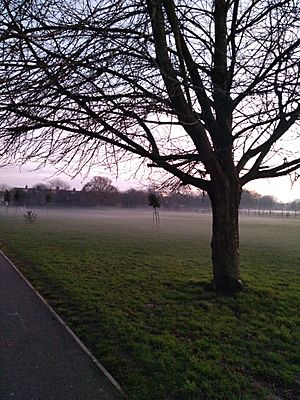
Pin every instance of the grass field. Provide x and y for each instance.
(138, 299)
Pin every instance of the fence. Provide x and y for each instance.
(271, 213)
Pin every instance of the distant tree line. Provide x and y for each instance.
(99, 191)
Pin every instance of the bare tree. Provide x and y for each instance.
(7, 197)
(58, 184)
(101, 191)
(40, 187)
(4, 187)
(206, 91)
(18, 197)
(99, 184)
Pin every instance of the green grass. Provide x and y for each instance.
(139, 300)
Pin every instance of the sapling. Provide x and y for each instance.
(30, 217)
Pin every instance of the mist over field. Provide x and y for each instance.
(137, 295)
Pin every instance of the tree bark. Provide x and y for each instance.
(225, 201)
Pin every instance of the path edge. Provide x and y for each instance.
(96, 362)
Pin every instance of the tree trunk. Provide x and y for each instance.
(225, 238)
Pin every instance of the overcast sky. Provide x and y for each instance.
(16, 177)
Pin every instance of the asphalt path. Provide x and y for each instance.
(40, 357)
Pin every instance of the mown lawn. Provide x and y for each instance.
(138, 299)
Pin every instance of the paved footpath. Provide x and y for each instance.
(40, 358)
